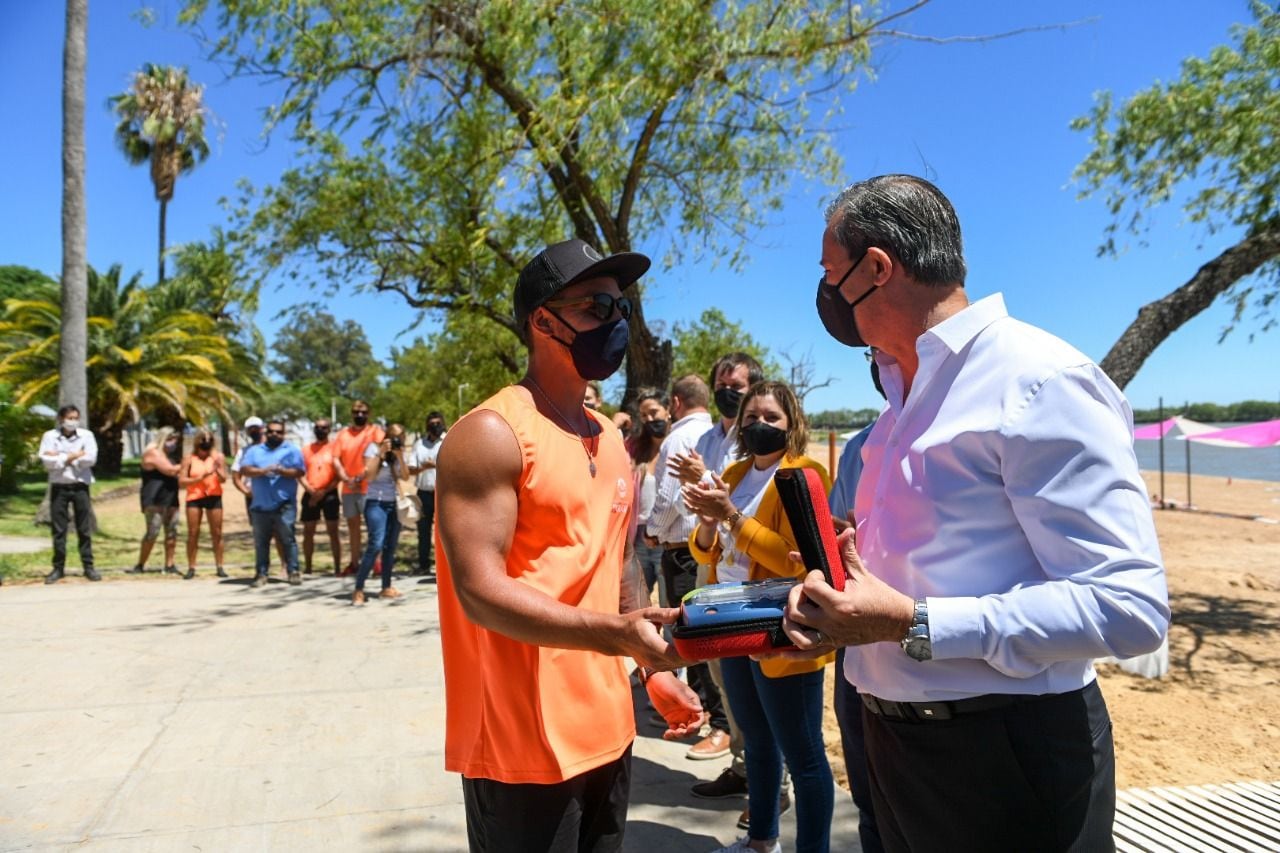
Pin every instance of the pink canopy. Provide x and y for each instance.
(1265, 434)
(1176, 425)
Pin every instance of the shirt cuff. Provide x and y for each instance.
(955, 627)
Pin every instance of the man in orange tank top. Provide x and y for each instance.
(321, 487)
(348, 464)
(540, 595)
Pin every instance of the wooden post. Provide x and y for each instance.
(831, 453)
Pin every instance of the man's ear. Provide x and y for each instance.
(882, 264)
(541, 320)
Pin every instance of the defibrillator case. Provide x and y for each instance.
(745, 618)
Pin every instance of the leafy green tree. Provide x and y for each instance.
(308, 398)
(19, 439)
(450, 371)
(162, 124)
(22, 282)
(442, 143)
(1209, 136)
(141, 360)
(699, 344)
(314, 346)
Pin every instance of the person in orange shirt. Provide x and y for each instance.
(540, 595)
(348, 464)
(321, 487)
(203, 474)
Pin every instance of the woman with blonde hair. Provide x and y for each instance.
(161, 462)
(743, 534)
(203, 474)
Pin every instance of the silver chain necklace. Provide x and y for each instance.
(591, 462)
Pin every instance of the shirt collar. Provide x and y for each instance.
(703, 416)
(960, 328)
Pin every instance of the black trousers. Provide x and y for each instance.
(62, 499)
(680, 574)
(587, 813)
(428, 498)
(1036, 775)
(848, 708)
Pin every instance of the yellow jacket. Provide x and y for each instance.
(766, 538)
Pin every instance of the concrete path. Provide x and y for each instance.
(23, 544)
(164, 715)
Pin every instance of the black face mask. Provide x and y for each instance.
(761, 439)
(434, 430)
(205, 446)
(254, 433)
(360, 418)
(275, 440)
(656, 428)
(321, 433)
(727, 402)
(597, 353)
(837, 313)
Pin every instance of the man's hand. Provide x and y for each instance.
(642, 638)
(688, 468)
(867, 611)
(677, 703)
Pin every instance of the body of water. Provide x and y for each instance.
(1241, 463)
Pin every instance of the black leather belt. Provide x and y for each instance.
(924, 712)
(672, 546)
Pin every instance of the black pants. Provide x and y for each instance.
(680, 574)
(1036, 775)
(428, 498)
(848, 708)
(585, 813)
(61, 499)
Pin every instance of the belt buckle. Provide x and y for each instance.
(930, 711)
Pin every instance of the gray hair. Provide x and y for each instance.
(907, 216)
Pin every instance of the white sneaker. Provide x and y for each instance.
(743, 845)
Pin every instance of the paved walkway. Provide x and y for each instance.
(23, 544)
(169, 715)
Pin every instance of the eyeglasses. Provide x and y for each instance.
(600, 305)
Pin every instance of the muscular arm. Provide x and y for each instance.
(476, 491)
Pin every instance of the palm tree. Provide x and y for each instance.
(146, 353)
(162, 123)
(72, 356)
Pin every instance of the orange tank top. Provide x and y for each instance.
(208, 486)
(521, 713)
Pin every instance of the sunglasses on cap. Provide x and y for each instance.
(599, 305)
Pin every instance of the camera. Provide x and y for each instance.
(397, 442)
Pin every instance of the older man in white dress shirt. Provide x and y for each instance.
(68, 454)
(1004, 541)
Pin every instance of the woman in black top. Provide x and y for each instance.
(161, 462)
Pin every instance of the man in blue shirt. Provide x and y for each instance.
(275, 466)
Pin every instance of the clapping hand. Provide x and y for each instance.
(709, 501)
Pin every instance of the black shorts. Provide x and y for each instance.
(585, 813)
(330, 507)
(210, 502)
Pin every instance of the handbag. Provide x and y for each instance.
(408, 504)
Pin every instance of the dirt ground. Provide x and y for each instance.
(1212, 718)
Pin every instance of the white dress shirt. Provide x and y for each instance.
(1006, 492)
(718, 447)
(669, 521)
(54, 448)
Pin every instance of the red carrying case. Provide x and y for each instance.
(736, 619)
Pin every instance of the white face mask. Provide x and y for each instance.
(71, 424)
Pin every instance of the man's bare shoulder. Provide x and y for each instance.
(481, 450)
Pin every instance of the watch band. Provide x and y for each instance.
(917, 643)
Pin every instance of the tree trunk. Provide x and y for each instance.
(1159, 319)
(163, 205)
(648, 358)
(73, 343)
(110, 450)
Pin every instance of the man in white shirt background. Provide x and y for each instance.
(69, 453)
(1004, 541)
(669, 526)
(422, 464)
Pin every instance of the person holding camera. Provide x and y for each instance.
(384, 466)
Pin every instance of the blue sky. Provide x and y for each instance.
(987, 122)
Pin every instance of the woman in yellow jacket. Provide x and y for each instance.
(743, 534)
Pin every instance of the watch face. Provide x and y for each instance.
(918, 646)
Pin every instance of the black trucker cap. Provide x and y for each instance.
(558, 266)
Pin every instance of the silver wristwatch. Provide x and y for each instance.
(917, 644)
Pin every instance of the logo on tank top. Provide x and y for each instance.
(620, 503)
